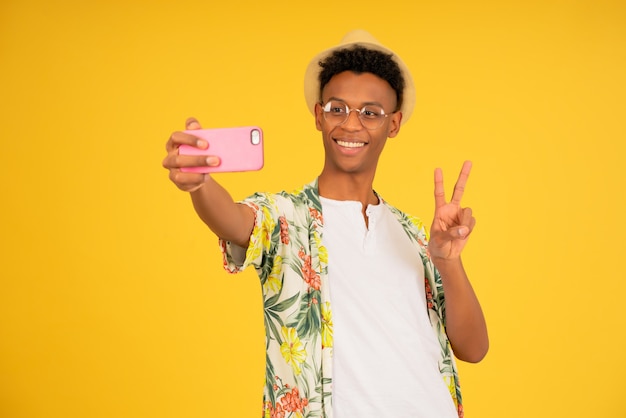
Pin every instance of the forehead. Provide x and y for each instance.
(356, 89)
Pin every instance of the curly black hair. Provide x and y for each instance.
(359, 59)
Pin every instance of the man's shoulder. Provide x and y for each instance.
(409, 222)
(306, 195)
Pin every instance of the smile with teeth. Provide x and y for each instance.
(350, 144)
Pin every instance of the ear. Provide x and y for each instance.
(318, 116)
(394, 125)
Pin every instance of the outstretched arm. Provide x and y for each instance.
(213, 204)
(451, 228)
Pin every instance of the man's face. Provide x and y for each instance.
(350, 147)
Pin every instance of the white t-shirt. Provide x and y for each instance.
(385, 352)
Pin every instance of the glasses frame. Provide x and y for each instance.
(326, 110)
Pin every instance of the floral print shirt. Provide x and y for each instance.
(286, 250)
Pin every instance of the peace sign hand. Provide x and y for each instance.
(452, 224)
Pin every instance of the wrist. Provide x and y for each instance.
(447, 264)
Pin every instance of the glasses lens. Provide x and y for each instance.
(336, 112)
(371, 116)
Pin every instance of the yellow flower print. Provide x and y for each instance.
(418, 224)
(273, 281)
(451, 387)
(254, 251)
(327, 326)
(267, 227)
(292, 349)
(323, 254)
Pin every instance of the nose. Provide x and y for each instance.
(354, 122)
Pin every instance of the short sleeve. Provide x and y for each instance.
(236, 258)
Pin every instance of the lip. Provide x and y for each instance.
(350, 146)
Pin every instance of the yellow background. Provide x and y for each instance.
(113, 302)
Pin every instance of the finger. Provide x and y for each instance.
(459, 232)
(466, 216)
(187, 181)
(192, 123)
(176, 161)
(440, 193)
(181, 138)
(467, 223)
(451, 234)
(459, 187)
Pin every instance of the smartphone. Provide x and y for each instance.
(239, 149)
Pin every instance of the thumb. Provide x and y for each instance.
(451, 234)
(192, 123)
(459, 232)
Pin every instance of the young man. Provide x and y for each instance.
(356, 320)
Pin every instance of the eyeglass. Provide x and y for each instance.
(371, 116)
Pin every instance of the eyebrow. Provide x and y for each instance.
(362, 104)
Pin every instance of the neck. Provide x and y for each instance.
(348, 187)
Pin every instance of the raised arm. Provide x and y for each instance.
(213, 204)
(451, 228)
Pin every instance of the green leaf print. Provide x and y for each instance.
(285, 304)
(271, 330)
(269, 379)
(308, 320)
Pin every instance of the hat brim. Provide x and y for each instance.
(362, 38)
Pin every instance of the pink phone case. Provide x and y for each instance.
(239, 149)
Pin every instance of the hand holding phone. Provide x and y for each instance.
(239, 149)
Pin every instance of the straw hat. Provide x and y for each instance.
(365, 39)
